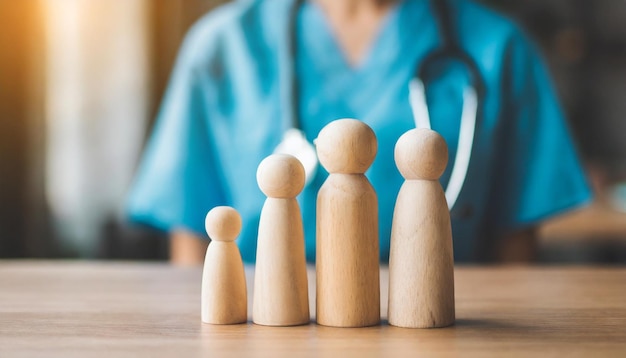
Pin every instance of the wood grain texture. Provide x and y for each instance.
(348, 293)
(224, 291)
(223, 285)
(421, 263)
(92, 309)
(347, 244)
(281, 296)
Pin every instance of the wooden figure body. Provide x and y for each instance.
(281, 296)
(347, 262)
(421, 263)
(224, 297)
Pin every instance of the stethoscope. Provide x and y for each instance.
(294, 141)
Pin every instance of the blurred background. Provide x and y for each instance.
(81, 80)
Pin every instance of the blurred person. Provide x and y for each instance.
(252, 71)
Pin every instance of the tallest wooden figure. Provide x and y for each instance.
(348, 289)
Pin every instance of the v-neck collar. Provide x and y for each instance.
(329, 82)
(405, 24)
(325, 41)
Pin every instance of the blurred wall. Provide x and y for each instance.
(584, 43)
(97, 107)
(22, 204)
(108, 65)
(80, 83)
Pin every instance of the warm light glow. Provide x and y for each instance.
(97, 53)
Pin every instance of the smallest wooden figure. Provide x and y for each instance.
(224, 296)
(421, 263)
(281, 296)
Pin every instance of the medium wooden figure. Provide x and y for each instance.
(421, 263)
(224, 296)
(281, 296)
(348, 291)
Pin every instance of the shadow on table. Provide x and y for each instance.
(466, 335)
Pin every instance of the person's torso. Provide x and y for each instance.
(249, 105)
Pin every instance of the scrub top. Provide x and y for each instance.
(228, 104)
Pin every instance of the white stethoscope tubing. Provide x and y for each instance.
(295, 142)
(419, 107)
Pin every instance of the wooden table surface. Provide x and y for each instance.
(83, 309)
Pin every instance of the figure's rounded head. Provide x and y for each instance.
(280, 176)
(223, 223)
(346, 146)
(421, 154)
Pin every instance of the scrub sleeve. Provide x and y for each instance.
(178, 181)
(538, 172)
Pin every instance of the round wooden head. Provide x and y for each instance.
(346, 146)
(280, 176)
(421, 154)
(223, 223)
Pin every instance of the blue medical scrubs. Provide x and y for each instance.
(228, 103)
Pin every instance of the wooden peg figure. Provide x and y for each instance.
(281, 296)
(348, 291)
(224, 296)
(421, 263)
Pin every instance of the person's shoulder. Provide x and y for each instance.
(482, 17)
(228, 26)
(490, 35)
(479, 21)
(207, 33)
